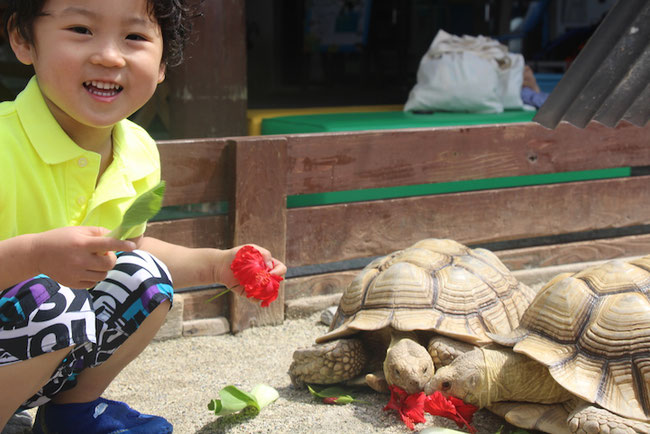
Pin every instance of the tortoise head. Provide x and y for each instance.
(464, 378)
(408, 365)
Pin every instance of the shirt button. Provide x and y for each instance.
(82, 162)
(81, 200)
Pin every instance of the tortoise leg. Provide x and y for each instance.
(444, 350)
(549, 418)
(328, 363)
(590, 419)
(377, 382)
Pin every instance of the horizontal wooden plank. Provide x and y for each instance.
(581, 251)
(209, 231)
(374, 159)
(317, 284)
(514, 259)
(338, 232)
(197, 306)
(195, 171)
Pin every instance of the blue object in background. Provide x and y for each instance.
(547, 81)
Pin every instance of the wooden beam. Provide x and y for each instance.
(318, 284)
(197, 306)
(211, 231)
(514, 259)
(375, 159)
(570, 253)
(339, 232)
(196, 171)
(259, 216)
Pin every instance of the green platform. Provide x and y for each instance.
(332, 122)
(329, 198)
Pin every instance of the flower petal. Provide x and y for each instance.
(452, 408)
(409, 407)
(247, 263)
(465, 410)
(251, 271)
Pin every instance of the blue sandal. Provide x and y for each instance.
(101, 416)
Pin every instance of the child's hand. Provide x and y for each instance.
(77, 256)
(225, 276)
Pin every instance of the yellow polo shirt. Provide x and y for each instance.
(47, 181)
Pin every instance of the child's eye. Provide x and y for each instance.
(134, 37)
(80, 29)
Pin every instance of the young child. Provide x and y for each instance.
(71, 165)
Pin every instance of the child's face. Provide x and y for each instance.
(96, 61)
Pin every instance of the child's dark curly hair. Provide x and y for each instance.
(173, 16)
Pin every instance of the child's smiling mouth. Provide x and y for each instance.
(102, 88)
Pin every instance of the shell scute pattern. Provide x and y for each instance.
(560, 315)
(592, 331)
(416, 289)
(435, 285)
(616, 276)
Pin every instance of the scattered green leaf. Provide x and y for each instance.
(440, 430)
(264, 395)
(334, 395)
(234, 400)
(142, 209)
(518, 431)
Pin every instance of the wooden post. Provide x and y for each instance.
(208, 95)
(259, 216)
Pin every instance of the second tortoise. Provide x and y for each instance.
(579, 361)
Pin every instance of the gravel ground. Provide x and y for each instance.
(178, 378)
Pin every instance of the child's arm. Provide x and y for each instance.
(78, 256)
(194, 267)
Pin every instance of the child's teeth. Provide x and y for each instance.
(103, 88)
(102, 85)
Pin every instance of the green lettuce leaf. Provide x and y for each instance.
(334, 395)
(142, 209)
(234, 400)
(264, 395)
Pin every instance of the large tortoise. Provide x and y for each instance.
(404, 309)
(582, 352)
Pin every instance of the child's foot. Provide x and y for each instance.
(101, 416)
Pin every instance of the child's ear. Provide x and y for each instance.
(22, 49)
(161, 73)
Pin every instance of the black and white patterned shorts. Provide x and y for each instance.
(38, 316)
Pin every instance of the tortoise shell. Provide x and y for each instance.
(592, 330)
(435, 285)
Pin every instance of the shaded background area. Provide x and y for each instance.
(286, 69)
(262, 54)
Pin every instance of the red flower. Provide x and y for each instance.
(253, 274)
(330, 400)
(410, 407)
(451, 408)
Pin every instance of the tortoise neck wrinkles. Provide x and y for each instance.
(510, 376)
(492, 392)
(397, 335)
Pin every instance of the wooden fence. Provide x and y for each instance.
(538, 225)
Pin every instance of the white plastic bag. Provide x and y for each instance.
(511, 79)
(468, 74)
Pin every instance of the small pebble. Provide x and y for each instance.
(328, 315)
